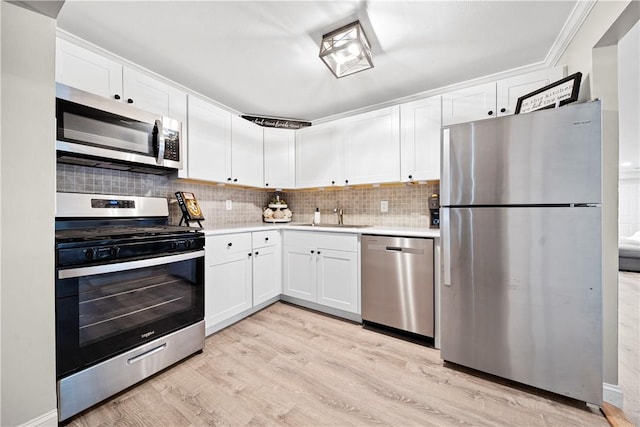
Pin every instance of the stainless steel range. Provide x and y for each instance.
(129, 295)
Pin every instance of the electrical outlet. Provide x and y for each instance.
(229, 205)
(384, 206)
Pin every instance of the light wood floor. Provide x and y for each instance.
(289, 366)
(629, 343)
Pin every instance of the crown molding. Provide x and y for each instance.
(578, 15)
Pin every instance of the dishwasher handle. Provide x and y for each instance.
(395, 249)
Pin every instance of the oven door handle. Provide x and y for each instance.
(130, 265)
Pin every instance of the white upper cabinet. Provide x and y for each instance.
(420, 124)
(371, 144)
(145, 93)
(495, 98)
(465, 105)
(509, 90)
(88, 71)
(319, 163)
(279, 158)
(209, 141)
(246, 153)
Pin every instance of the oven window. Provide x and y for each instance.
(114, 303)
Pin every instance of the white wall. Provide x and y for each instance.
(27, 186)
(595, 64)
(629, 124)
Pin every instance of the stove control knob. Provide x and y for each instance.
(90, 254)
(114, 251)
(188, 243)
(174, 245)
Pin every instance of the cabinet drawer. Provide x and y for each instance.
(218, 247)
(263, 239)
(321, 239)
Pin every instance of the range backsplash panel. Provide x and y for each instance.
(408, 204)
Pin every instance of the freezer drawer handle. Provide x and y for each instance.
(394, 248)
(146, 354)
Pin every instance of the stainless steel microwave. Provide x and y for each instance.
(95, 131)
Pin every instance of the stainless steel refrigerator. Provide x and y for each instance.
(521, 241)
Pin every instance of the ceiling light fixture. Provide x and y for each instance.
(346, 50)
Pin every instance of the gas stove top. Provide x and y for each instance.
(115, 232)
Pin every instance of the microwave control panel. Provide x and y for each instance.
(172, 149)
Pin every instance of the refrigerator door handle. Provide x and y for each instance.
(445, 234)
(445, 178)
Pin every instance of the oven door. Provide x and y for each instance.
(106, 309)
(91, 126)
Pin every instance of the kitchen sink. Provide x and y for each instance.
(333, 225)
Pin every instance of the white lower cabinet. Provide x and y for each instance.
(228, 288)
(337, 279)
(267, 266)
(322, 268)
(243, 270)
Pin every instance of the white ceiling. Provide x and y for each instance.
(261, 57)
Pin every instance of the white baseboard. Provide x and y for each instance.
(612, 393)
(50, 419)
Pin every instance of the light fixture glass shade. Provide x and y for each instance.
(346, 50)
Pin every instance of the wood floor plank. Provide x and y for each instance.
(293, 367)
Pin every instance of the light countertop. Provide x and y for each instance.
(379, 229)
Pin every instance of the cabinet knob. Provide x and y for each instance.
(266, 239)
(318, 252)
(250, 254)
(346, 181)
(313, 252)
(129, 101)
(235, 179)
(229, 244)
(229, 179)
(490, 113)
(266, 184)
(333, 182)
(116, 96)
(410, 176)
(257, 252)
(502, 110)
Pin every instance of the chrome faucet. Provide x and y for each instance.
(340, 213)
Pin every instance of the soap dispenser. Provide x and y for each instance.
(316, 216)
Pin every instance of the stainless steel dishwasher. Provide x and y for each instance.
(397, 283)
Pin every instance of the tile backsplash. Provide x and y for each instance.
(408, 204)
(246, 204)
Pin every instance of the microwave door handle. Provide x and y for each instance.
(159, 142)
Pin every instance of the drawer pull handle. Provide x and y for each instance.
(146, 354)
(229, 244)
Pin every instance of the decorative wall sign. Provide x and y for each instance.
(556, 94)
(277, 123)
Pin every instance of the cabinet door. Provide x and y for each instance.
(319, 161)
(372, 147)
(279, 158)
(298, 270)
(420, 139)
(337, 279)
(509, 90)
(209, 141)
(246, 153)
(267, 273)
(227, 287)
(88, 71)
(145, 92)
(465, 105)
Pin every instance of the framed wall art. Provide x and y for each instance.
(556, 94)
